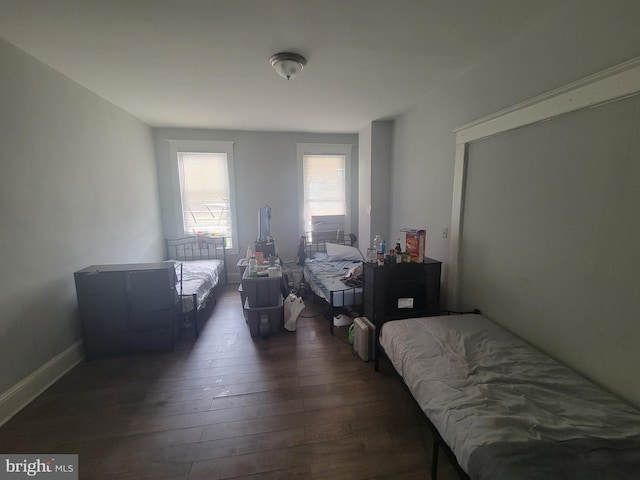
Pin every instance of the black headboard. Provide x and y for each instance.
(317, 241)
(197, 248)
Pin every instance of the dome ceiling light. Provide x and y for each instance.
(288, 64)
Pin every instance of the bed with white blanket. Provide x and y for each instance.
(506, 410)
(200, 264)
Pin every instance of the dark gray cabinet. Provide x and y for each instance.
(126, 308)
(401, 290)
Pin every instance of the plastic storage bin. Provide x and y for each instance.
(255, 315)
(243, 297)
(261, 291)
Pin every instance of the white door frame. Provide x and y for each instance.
(614, 83)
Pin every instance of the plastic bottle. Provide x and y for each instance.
(265, 326)
(377, 245)
(383, 247)
(398, 247)
(249, 253)
(377, 241)
(253, 267)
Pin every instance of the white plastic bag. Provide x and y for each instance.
(292, 307)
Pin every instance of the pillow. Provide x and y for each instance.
(321, 256)
(343, 252)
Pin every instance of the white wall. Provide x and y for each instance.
(266, 174)
(365, 195)
(551, 233)
(581, 38)
(78, 186)
(374, 180)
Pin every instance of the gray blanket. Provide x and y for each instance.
(508, 411)
(584, 459)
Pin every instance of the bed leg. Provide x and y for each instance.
(196, 315)
(434, 459)
(333, 312)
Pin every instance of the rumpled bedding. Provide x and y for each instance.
(582, 458)
(199, 277)
(323, 276)
(507, 410)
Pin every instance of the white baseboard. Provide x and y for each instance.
(25, 391)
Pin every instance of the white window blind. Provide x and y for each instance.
(204, 189)
(324, 187)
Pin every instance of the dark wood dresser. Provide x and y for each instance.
(401, 290)
(126, 308)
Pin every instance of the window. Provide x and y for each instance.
(323, 172)
(205, 194)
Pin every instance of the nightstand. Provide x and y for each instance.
(401, 290)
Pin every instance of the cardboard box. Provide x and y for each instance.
(415, 243)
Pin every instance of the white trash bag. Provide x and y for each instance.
(292, 307)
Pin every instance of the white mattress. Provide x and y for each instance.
(480, 385)
(323, 277)
(199, 277)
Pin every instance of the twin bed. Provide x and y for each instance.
(200, 264)
(504, 409)
(331, 273)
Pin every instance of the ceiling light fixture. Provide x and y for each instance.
(288, 64)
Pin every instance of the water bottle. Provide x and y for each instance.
(253, 267)
(377, 241)
(265, 325)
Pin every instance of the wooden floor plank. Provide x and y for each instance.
(296, 405)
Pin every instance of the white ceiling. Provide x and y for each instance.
(205, 63)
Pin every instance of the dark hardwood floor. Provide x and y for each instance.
(294, 405)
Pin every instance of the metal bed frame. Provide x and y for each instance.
(438, 441)
(190, 249)
(317, 242)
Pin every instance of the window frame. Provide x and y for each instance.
(303, 149)
(203, 146)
